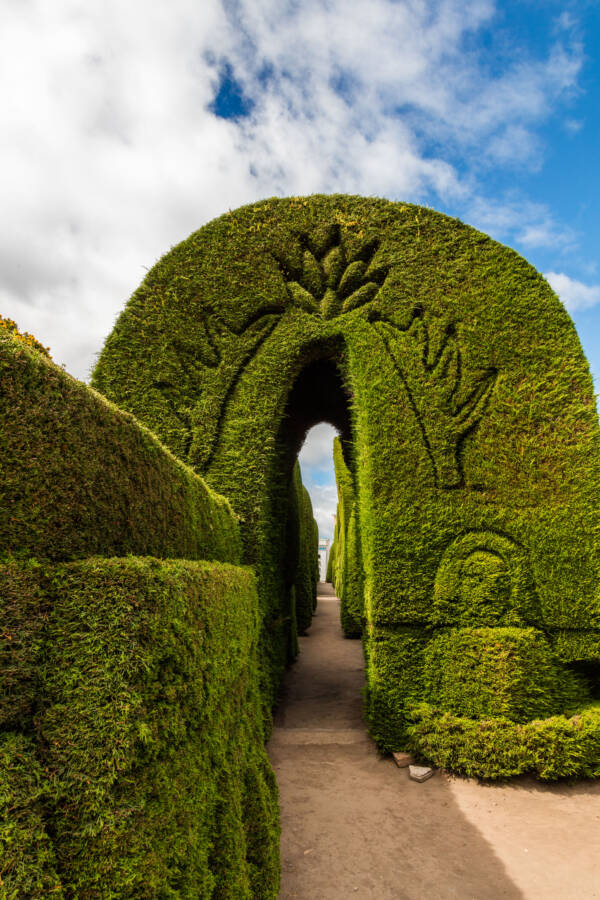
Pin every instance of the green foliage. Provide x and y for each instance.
(27, 861)
(349, 579)
(149, 726)
(80, 477)
(484, 579)
(331, 563)
(500, 672)
(394, 667)
(316, 564)
(28, 340)
(305, 583)
(456, 380)
(469, 485)
(552, 748)
(23, 611)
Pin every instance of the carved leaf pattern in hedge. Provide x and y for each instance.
(325, 278)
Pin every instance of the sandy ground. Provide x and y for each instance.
(354, 825)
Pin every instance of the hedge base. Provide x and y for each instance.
(553, 748)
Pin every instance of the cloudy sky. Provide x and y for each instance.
(127, 125)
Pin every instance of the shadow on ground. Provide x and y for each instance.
(352, 823)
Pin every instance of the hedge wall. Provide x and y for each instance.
(306, 585)
(556, 747)
(349, 573)
(149, 762)
(132, 758)
(507, 673)
(456, 381)
(80, 477)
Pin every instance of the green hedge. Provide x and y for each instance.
(349, 563)
(24, 609)
(80, 477)
(305, 576)
(499, 672)
(27, 860)
(316, 563)
(552, 748)
(394, 669)
(455, 378)
(330, 563)
(148, 726)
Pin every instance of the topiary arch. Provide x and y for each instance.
(156, 616)
(458, 385)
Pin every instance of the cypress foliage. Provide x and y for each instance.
(350, 574)
(126, 681)
(457, 382)
(305, 583)
(469, 485)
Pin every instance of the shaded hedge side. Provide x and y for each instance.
(349, 574)
(316, 563)
(553, 748)
(306, 586)
(80, 477)
(27, 858)
(330, 563)
(24, 609)
(149, 728)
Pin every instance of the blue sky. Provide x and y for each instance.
(127, 126)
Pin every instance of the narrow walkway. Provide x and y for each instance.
(354, 825)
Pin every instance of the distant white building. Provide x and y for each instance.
(324, 546)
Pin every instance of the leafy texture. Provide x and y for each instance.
(148, 621)
(80, 477)
(348, 574)
(552, 748)
(465, 408)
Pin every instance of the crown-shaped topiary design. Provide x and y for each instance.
(326, 278)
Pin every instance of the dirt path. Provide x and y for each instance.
(353, 825)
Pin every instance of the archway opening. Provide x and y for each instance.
(319, 396)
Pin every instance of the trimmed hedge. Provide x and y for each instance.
(394, 681)
(499, 672)
(80, 477)
(132, 755)
(316, 562)
(24, 609)
(349, 578)
(455, 379)
(306, 587)
(149, 728)
(27, 860)
(553, 748)
(330, 563)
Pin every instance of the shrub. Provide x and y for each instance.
(80, 477)
(150, 729)
(552, 748)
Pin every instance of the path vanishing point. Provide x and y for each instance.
(354, 825)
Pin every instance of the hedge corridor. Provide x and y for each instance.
(159, 552)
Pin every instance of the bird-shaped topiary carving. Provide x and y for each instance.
(325, 278)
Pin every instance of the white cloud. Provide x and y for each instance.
(521, 222)
(111, 153)
(324, 503)
(574, 294)
(316, 464)
(317, 450)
